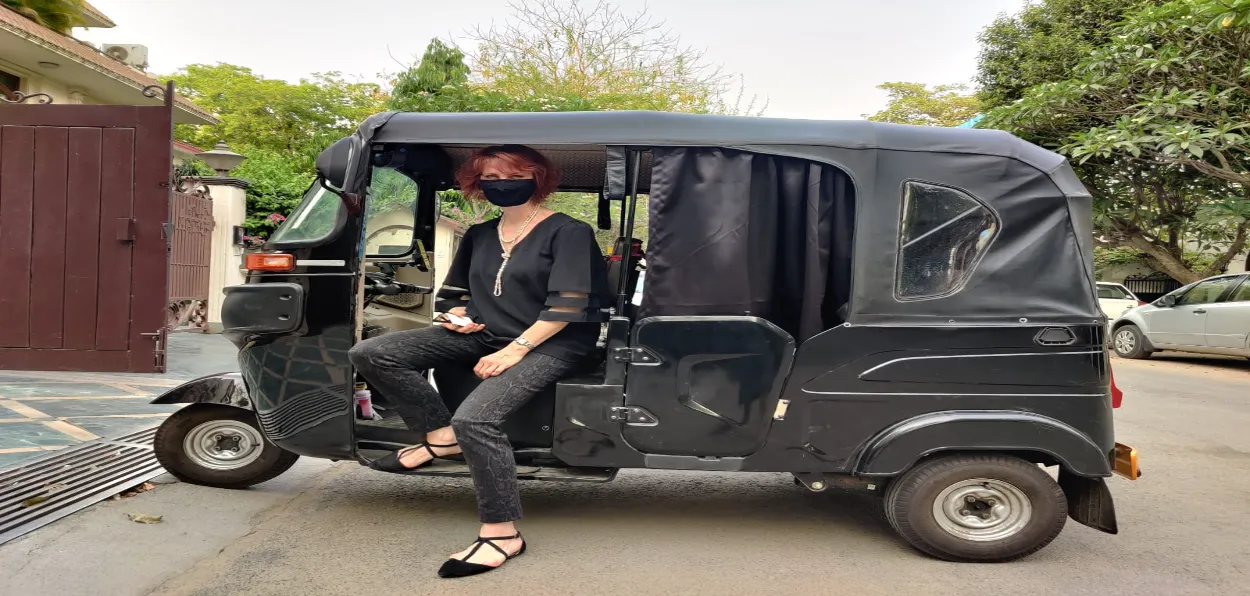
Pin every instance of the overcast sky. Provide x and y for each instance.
(810, 58)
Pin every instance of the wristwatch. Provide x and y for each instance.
(524, 343)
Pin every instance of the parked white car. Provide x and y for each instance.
(1211, 317)
(1114, 299)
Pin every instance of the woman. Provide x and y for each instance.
(533, 284)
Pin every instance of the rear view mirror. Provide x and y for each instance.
(333, 163)
(1167, 301)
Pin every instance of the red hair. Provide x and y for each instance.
(518, 157)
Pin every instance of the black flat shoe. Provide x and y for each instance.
(391, 462)
(459, 568)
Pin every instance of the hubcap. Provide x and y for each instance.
(982, 510)
(1125, 342)
(223, 445)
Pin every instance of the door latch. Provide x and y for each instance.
(632, 415)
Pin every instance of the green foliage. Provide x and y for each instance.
(272, 114)
(1042, 43)
(915, 103)
(1105, 258)
(278, 182)
(1155, 120)
(58, 15)
(619, 61)
(193, 167)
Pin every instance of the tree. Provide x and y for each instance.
(1043, 43)
(1156, 122)
(272, 114)
(620, 61)
(58, 15)
(915, 103)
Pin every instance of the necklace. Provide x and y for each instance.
(507, 250)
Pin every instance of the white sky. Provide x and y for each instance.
(810, 58)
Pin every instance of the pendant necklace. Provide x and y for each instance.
(507, 251)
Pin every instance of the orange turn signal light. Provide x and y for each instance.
(260, 261)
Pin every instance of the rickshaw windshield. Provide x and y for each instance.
(312, 221)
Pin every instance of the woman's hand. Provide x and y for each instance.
(495, 364)
(460, 311)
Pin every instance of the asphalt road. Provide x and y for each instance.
(331, 529)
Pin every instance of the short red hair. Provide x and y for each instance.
(519, 157)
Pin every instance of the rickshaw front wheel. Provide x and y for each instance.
(976, 507)
(219, 446)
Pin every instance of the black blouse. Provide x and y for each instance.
(558, 255)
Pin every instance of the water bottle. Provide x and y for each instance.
(364, 401)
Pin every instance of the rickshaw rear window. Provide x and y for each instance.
(314, 219)
(942, 236)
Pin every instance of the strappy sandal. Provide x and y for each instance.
(391, 462)
(462, 568)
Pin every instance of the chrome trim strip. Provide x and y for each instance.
(884, 364)
(965, 394)
(320, 263)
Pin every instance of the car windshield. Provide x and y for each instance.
(312, 220)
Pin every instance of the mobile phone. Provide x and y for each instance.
(456, 320)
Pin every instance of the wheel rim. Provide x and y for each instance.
(1125, 341)
(982, 510)
(223, 444)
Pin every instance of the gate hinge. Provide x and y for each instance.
(632, 415)
(635, 356)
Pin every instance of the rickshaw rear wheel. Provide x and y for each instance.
(219, 446)
(976, 507)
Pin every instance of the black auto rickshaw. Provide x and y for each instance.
(901, 310)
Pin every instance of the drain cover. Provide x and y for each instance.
(40, 492)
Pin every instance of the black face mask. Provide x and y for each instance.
(508, 193)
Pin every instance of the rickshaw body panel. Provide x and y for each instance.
(898, 380)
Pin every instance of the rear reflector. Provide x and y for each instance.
(269, 262)
(1117, 396)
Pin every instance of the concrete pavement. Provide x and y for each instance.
(329, 529)
(47, 411)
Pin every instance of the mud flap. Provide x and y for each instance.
(1089, 501)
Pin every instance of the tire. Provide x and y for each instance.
(1029, 508)
(1128, 342)
(184, 442)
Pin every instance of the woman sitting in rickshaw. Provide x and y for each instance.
(525, 294)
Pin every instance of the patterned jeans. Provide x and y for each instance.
(394, 363)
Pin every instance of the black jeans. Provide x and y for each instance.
(393, 363)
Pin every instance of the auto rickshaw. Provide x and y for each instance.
(904, 311)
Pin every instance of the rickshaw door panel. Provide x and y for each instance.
(709, 384)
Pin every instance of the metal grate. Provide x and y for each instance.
(73, 479)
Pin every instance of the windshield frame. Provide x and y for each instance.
(310, 197)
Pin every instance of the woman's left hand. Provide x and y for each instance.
(495, 364)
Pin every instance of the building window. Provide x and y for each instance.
(9, 83)
(943, 234)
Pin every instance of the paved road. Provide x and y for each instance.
(330, 529)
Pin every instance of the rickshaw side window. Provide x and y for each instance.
(390, 214)
(313, 220)
(943, 234)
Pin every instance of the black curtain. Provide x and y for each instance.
(737, 233)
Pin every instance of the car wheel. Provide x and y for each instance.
(219, 446)
(976, 508)
(1128, 342)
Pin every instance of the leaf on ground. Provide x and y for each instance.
(143, 518)
(139, 488)
(31, 502)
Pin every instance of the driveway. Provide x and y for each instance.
(340, 529)
(48, 411)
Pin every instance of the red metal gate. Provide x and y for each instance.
(84, 191)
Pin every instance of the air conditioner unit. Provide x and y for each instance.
(130, 54)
